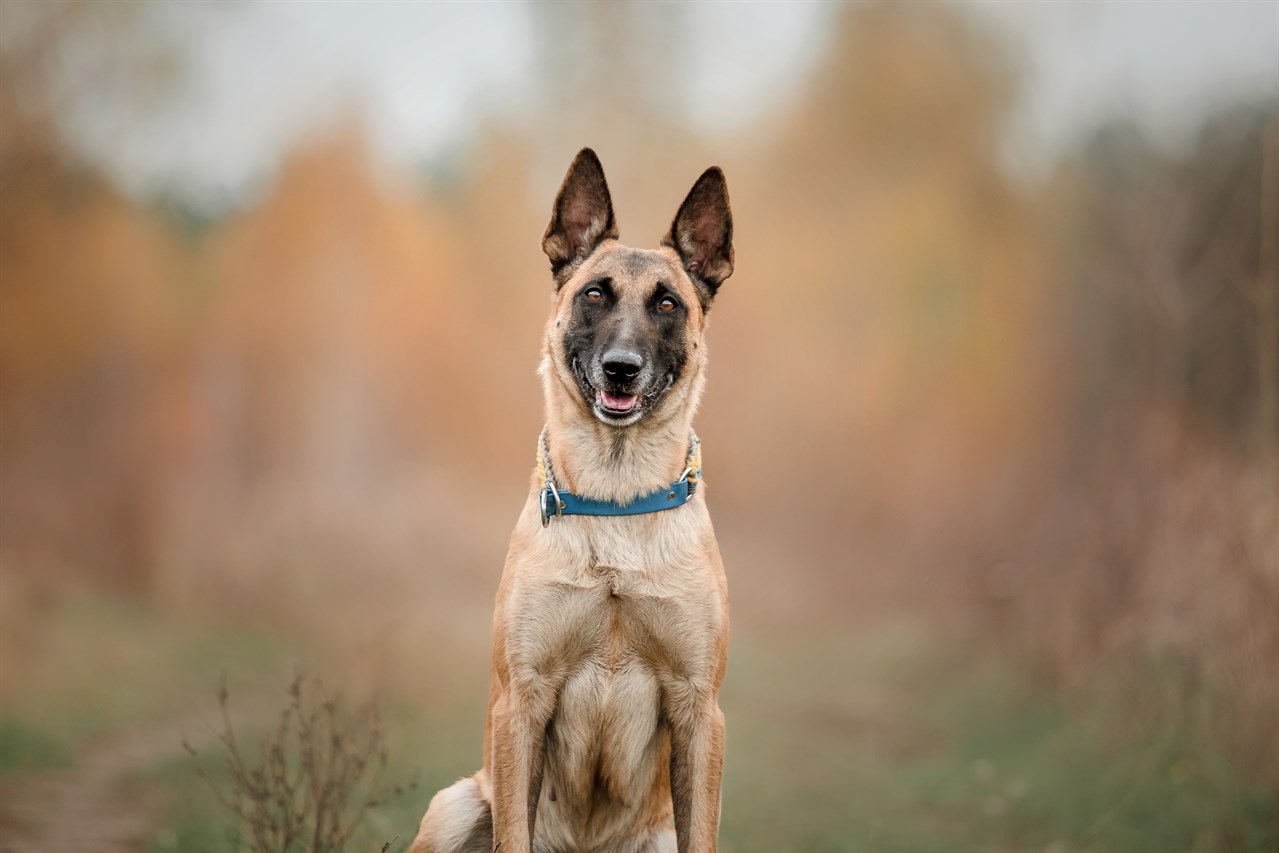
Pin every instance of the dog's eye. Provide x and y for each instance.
(667, 304)
(594, 294)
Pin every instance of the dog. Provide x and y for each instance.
(610, 627)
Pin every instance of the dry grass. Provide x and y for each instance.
(309, 783)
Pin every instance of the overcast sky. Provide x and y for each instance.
(259, 74)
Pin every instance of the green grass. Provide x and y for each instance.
(102, 663)
(962, 756)
(101, 667)
(25, 748)
(876, 741)
(194, 822)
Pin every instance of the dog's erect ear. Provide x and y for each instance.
(582, 217)
(702, 232)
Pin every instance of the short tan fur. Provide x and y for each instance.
(610, 634)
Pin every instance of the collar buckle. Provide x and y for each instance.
(548, 494)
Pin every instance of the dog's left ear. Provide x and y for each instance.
(702, 233)
(582, 217)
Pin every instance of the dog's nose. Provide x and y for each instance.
(622, 365)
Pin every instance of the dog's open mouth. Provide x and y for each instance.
(615, 406)
(615, 403)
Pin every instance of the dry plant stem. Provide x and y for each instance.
(320, 769)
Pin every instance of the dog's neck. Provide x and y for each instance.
(596, 460)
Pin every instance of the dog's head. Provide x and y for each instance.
(625, 335)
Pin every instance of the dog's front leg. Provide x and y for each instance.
(697, 766)
(520, 717)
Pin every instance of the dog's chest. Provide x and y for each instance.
(612, 617)
(618, 607)
(605, 610)
(620, 652)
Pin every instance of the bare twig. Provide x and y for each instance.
(314, 776)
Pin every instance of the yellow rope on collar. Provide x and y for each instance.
(541, 462)
(694, 463)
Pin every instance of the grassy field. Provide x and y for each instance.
(928, 751)
(879, 740)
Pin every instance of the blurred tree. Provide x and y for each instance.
(89, 329)
(1161, 269)
(908, 262)
(1266, 299)
(610, 76)
(323, 328)
(64, 60)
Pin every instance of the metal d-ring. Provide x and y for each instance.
(548, 492)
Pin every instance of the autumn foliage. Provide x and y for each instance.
(1042, 410)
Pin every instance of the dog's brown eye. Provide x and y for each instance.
(595, 294)
(667, 304)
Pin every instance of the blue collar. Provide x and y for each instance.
(555, 502)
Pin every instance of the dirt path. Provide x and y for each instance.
(99, 806)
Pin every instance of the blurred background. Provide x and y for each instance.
(1004, 330)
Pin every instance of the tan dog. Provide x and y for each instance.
(610, 633)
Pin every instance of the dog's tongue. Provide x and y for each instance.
(618, 402)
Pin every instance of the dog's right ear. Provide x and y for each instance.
(582, 217)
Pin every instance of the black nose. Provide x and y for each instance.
(622, 365)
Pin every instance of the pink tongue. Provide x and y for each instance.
(618, 402)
